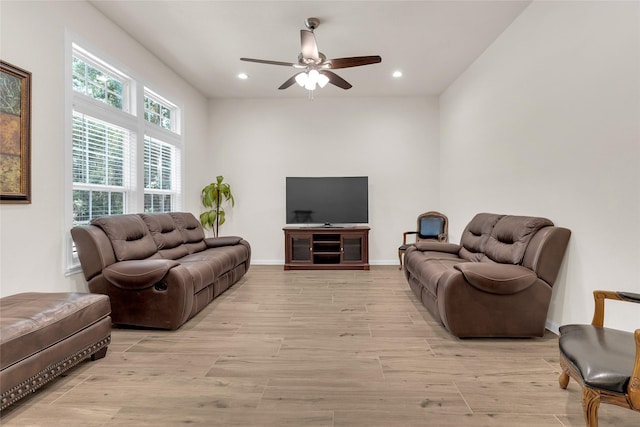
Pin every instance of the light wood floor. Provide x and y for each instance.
(319, 348)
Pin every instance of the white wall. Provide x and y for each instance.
(32, 36)
(547, 122)
(256, 143)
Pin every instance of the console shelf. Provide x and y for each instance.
(326, 248)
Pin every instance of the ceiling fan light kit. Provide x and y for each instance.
(315, 64)
(311, 79)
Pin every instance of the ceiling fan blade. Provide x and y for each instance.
(265, 61)
(309, 46)
(336, 80)
(354, 61)
(288, 83)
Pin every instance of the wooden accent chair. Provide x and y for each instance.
(432, 225)
(604, 361)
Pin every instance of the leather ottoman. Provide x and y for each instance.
(42, 335)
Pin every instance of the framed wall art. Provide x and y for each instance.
(15, 134)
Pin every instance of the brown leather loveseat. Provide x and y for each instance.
(158, 269)
(496, 282)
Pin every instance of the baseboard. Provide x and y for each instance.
(267, 262)
(553, 327)
(281, 262)
(385, 262)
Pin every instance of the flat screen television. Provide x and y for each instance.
(328, 201)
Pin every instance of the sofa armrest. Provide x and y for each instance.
(138, 274)
(94, 249)
(500, 279)
(216, 242)
(546, 251)
(450, 248)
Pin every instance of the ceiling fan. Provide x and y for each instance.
(314, 65)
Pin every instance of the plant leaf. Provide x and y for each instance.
(212, 217)
(204, 219)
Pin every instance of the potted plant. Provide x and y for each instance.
(213, 196)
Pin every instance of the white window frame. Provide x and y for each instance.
(175, 176)
(106, 69)
(129, 162)
(175, 111)
(130, 117)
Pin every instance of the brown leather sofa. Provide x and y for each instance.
(496, 282)
(42, 335)
(158, 269)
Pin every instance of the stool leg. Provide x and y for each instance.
(563, 380)
(99, 354)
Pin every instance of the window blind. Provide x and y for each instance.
(99, 168)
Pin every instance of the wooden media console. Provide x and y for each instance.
(326, 248)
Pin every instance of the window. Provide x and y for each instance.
(124, 157)
(99, 173)
(98, 81)
(159, 111)
(160, 159)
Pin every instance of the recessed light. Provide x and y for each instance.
(397, 74)
(243, 76)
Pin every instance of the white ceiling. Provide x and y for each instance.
(431, 42)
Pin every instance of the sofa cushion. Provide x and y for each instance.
(476, 234)
(202, 271)
(428, 268)
(208, 265)
(129, 236)
(192, 231)
(165, 233)
(510, 237)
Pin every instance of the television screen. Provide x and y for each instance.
(327, 200)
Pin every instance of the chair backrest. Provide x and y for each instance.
(431, 225)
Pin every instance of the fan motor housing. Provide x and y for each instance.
(312, 23)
